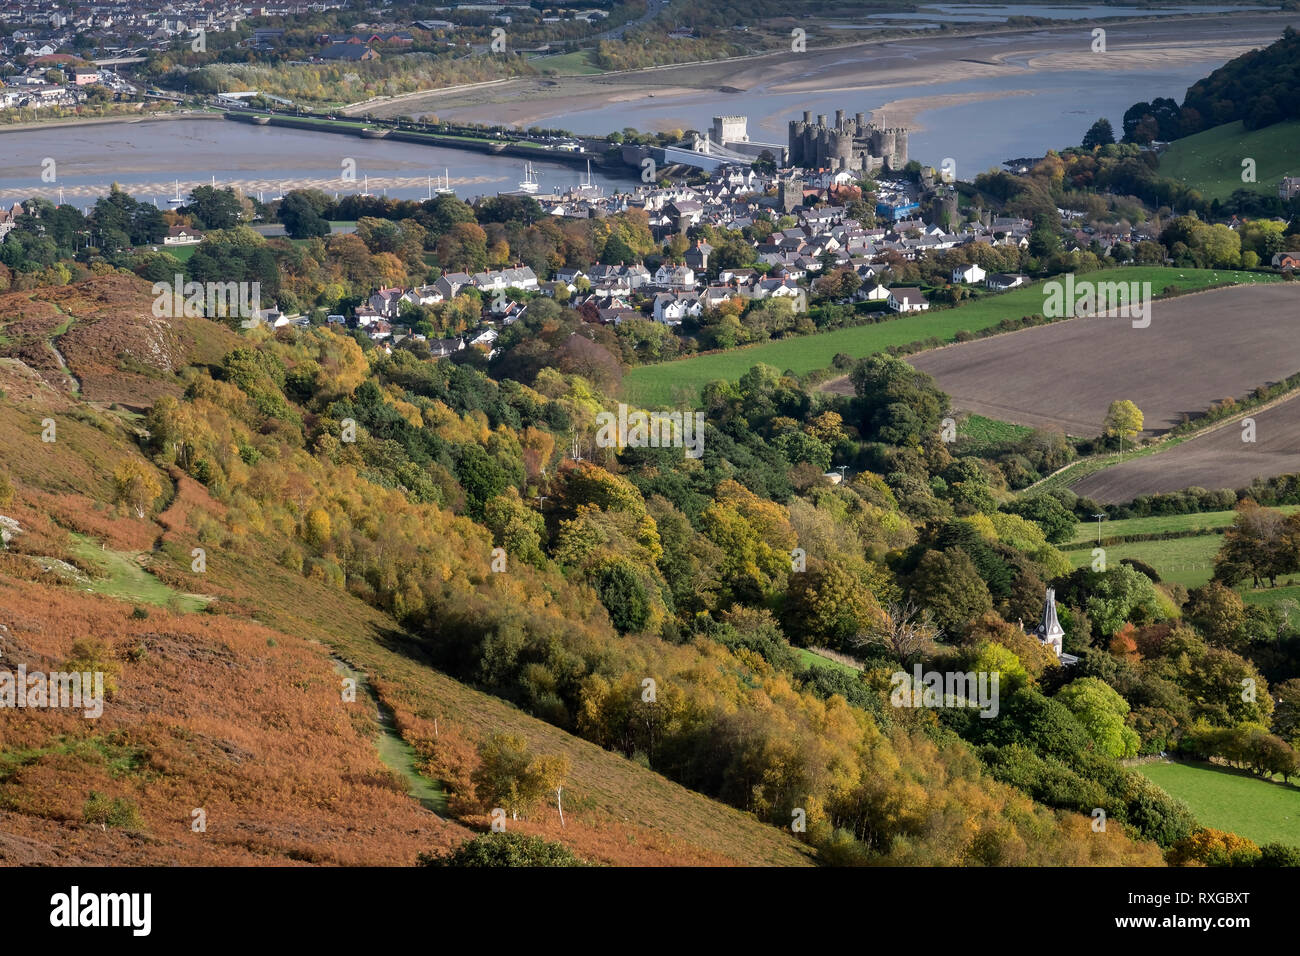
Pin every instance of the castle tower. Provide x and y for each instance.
(790, 193)
(799, 139)
(900, 148)
(840, 152)
(1049, 629)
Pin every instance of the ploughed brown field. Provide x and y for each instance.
(1219, 459)
(1198, 349)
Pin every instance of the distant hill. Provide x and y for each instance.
(1210, 161)
(1257, 89)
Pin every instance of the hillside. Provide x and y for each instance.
(227, 694)
(1210, 161)
(300, 780)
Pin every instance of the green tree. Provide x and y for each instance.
(1057, 521)
(948, 584)
(1101, 710)
(300, 218)
(1099, 133)
(505, 849)
(897, 404)
(623, 595)
(215, 208)
(1112, 597)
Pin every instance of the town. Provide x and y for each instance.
(644, 433)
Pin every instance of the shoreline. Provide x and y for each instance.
(529, 101)
(853, 67)
(107, 120)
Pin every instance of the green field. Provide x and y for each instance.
(1256, 809)
(1156, 524)
(1186, 561)
(1211, 161)
(123, 578)
(979, 436)
(669, 383)
(812, 659)
(181, 253)
(568, 64)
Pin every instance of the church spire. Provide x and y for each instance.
(1049, 629)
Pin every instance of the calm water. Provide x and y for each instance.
(1044, 108)
(147, 158)
(977, 134)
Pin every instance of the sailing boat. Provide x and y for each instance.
(177, 201)
(445, 189)
(529, 185)
(366, 187)
(587, 186)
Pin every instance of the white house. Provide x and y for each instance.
(1001, 281)
(522, 277)
(422, 295)
(908, 300)
(877, 293)
(671, 307)
(675, 277)
(181, 236)
(970, 273)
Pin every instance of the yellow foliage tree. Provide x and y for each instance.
(136, 486)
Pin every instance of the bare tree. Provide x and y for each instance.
(906, 630)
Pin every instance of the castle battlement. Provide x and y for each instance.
(852, 145)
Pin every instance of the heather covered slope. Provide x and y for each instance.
(99, 339)
(380, 552)
(239, 711)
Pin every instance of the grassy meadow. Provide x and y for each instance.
(1260, 810)
(1211, 160)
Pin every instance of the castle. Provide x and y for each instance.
(850, 145)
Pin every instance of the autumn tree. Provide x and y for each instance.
(1123, 420)
(1262, 543)
(1219, 613)
(136, 485)
(829, 607)
(1207, 847)
(511, 777)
